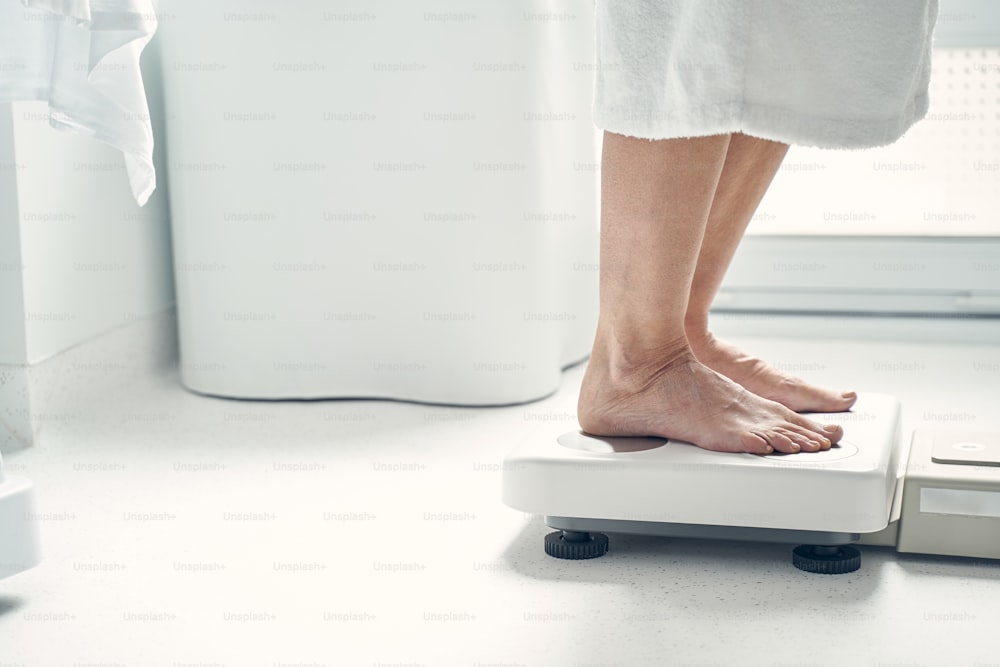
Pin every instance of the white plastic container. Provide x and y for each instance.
(19, 544)
(389, 199)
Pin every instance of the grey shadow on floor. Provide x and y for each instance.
(10, 604)
(949, 566)
(643, 560)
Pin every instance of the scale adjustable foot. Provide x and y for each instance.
(826, 560)
(575, 545)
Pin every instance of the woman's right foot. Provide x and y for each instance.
(685, 400)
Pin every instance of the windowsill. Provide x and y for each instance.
(960, 330)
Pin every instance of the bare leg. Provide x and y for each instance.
(642, 378)
(749, 168)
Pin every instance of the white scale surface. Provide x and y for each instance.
(847, 489)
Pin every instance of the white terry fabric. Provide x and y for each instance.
(82, 56)
(824, 73)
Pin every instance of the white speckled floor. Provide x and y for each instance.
(181, 530)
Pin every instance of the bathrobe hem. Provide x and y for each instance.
(763, 122)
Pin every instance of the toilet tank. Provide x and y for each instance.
(381, 200)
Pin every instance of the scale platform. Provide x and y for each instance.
(823, 501)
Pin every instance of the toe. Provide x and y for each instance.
(849, 398)
(817, 441)
(755, 443)
(782, 442)
(825, 400)
(805, 442)
(831, 432)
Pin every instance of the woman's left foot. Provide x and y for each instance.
(764, 380)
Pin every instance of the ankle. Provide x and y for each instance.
(696, 325)
(630, 362)
(699, 337)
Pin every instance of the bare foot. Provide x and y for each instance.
(685, 400)
(765, 380)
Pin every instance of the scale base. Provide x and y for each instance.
(818, 551)
(686, 530)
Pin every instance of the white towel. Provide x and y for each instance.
(82, 56)
(824, 73)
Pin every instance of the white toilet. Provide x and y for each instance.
(384, 200)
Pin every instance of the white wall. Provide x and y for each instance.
(12, 348)
(93, 260)
(78, 261)
(967, 24)
(90, 259)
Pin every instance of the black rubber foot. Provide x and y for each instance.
(576, 546)
(826, 560)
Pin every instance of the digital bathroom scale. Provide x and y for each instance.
(585, 486)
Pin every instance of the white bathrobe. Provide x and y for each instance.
(825, 73)
(82, 57)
